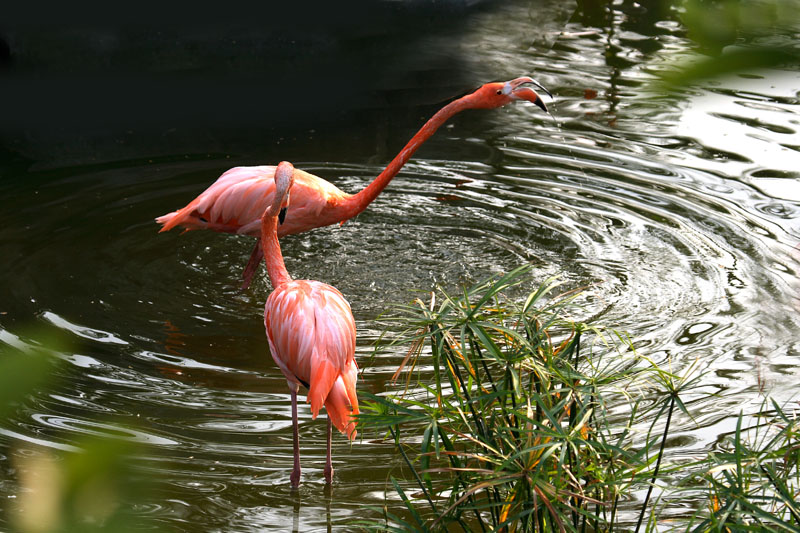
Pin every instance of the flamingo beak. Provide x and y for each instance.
(517, 89)
(526, 93)
(281, 215)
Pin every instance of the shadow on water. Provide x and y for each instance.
(179, 81)
(687, 242)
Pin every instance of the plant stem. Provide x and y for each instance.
(573, 416)
(658, 462)
(414, 470)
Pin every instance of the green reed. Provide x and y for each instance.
(752, 479)
(509, 419)
(513, 413)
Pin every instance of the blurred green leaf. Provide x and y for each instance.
(715, 24)
(93, 489)
(89, 490)
(737, 36)
(22, 372)
(733, 61)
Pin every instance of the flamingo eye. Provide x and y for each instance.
(499, 91)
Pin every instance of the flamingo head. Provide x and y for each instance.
(498, 94)
(284, 178)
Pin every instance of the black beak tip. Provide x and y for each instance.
(540, 103)
(282, 215)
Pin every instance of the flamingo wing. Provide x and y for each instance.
(312, 337)
(235, 202)
(238, 197)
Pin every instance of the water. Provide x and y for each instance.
(680, 214)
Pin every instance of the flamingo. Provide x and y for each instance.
(235, 202)
(311, 331)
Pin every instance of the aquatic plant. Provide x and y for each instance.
(513, 417)
(752, 479)
(516, 427)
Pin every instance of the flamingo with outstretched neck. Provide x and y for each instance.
(236, 201)
(310, 329)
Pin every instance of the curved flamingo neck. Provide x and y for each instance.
(276, 268)
(359, 201)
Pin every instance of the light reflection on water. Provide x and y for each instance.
(681, 216)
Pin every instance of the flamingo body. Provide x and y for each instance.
(312, 338)
(310, 329)
(236, 201)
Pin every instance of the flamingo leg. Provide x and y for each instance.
(295, 477)
(252, 265)
(328, 464)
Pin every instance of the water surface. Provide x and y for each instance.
(680, 214)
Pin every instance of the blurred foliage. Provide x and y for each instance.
(715, 24)
(735, 36)
(25, 371)
(88, 490)
(90, 485)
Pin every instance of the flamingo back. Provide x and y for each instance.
(235, 202)
(312, 338)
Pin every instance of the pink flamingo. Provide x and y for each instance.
(311, 331)
(236, 201)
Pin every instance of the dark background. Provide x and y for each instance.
(102, 82)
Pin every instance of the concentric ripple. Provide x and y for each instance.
(680, 218)
(161, 331)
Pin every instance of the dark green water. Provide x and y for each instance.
(681, 214)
